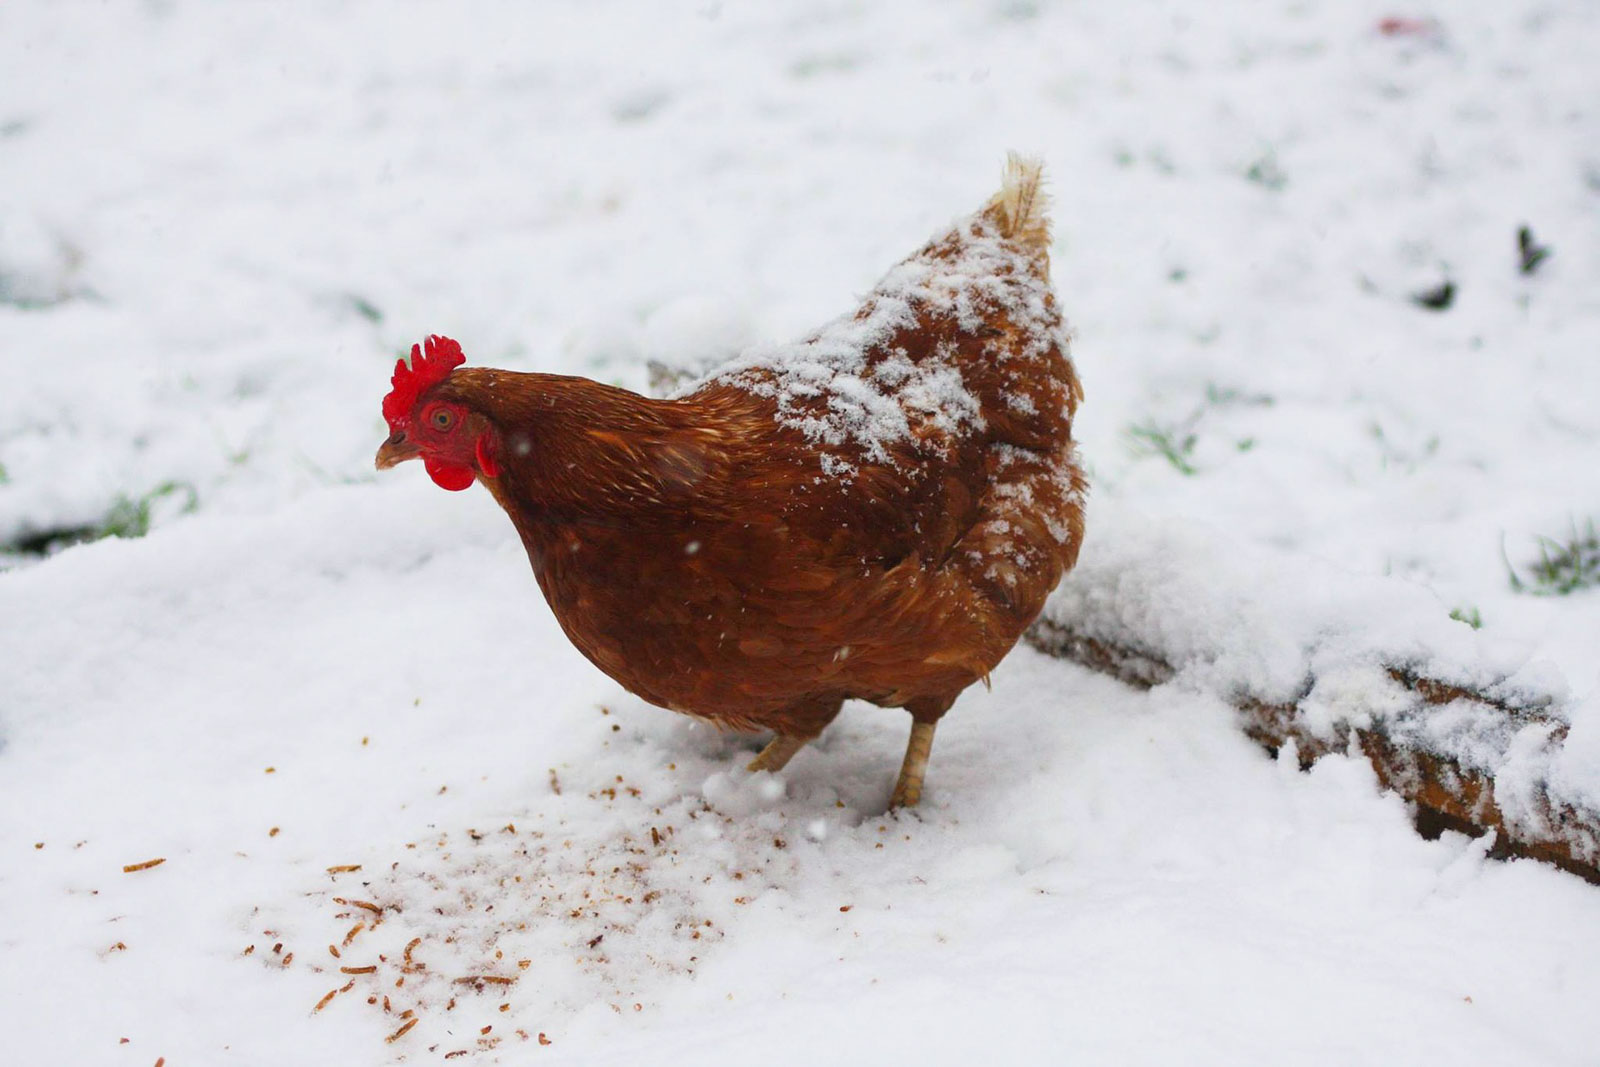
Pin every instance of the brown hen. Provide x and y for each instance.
(876, 512)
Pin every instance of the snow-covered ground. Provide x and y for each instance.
(218, 225)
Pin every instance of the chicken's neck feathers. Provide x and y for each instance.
(576, 451)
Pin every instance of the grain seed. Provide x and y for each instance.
(398, 1034)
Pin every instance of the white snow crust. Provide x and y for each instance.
(219, 225)
(869, 402)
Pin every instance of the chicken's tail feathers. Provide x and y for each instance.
(1021, 209)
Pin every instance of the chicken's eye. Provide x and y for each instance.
(443, 419)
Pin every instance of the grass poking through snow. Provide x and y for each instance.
(129, 517)
(1564, 566)
(1175, 444)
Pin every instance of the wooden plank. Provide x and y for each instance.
(1444, 791)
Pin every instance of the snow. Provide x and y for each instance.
(1313, 634)
(869, 390)
(220, 225)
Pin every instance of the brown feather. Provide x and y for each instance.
(715, 557)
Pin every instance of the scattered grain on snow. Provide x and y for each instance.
(1245, 205)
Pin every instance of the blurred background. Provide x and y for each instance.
(1332, 267)
(1333, 275)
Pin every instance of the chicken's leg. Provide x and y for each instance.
(908, 789)
(797, 725)
(779, 751)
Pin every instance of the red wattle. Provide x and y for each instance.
(448, 475)
(486, 461)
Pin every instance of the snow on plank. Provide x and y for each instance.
(1318, 662)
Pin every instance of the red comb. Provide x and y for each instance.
(427, 369)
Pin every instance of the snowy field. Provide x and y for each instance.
(315, 692)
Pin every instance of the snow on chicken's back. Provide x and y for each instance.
(962, 339)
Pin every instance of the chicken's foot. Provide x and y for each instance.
(779, 751)
(908, 789)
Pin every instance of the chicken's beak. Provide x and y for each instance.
(397, 449)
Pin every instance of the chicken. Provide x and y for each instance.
(876, 512)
